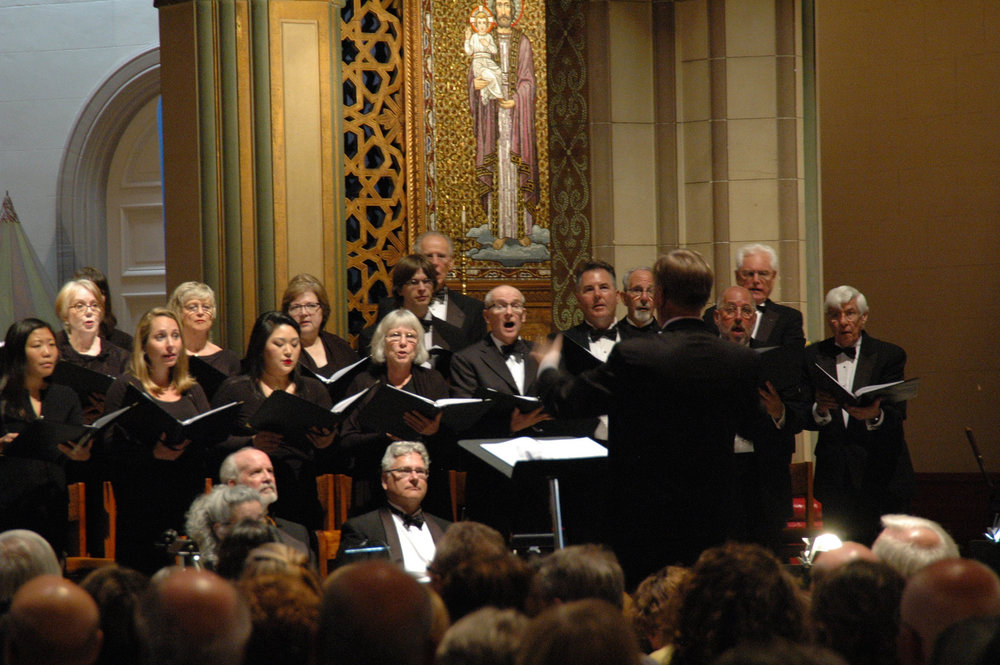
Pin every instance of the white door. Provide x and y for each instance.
(136, 254)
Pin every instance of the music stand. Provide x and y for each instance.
(525, 460)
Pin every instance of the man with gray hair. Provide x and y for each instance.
(214, 513)
(24, 555)
(908, 543)
(637, 296)
(401, 525)
(757, 272)
(575, 573)
(863, 468)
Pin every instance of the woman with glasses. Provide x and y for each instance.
(305, 301)
(80, 306)
(33, 491)
(194, 304)
(109, 322)
(398, 350)
(272, 364)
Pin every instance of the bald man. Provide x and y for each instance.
(908, 543)
(938, 596)
(373, 612)
(52, 622)
(192, 617)
(827, 562)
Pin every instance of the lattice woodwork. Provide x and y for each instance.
(374, 165)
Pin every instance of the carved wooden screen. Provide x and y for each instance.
(374, 167)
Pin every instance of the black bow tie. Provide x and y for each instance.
(509, 350)
(440, 296)
(427, 324)
(851, 351)
(596, 334)
(416, 519)
(760, 308)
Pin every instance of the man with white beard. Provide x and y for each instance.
(638, 298)
(252, 467)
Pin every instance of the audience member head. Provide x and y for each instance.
(24, 555)
(117, 592)
(241, 539)
(855, 612)
(595, 292)
(414, 280)
(193, 617)
(972, 641)
(735, 315)
(504, 313)
(284, 610)
(373, 613)
(683, 284)
(828, 561)
(488, 636)
(653, 611)
(437, 248)
(464, 541)
(578, 572)
(213, 514)
(582, 632)
(108, 320)
(255, 360)
(637, 295)
(908, 543)
(52, 622)
(940, 595)
(403, 321)
(300, 299)
(278, 558)
(736, 593)
(502, 581)
(778, 651)
(251, 467)
(757, 270)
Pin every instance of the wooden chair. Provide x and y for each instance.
(807, 512)
(456, 483)
(335, 496)
(78, 557)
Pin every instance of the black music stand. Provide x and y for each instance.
(528, 470)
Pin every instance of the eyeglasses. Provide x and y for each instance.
(419, 282)
(398, 337)
(195, 307)
(749, 274)
(82, 307)
(500, 307)
(850, 315)
(310, 307)
(405, 471)
(638, 291)
(746, 312)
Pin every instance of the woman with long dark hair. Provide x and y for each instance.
(32, 491)
(270, 365)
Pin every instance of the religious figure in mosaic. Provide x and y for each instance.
(507, 181)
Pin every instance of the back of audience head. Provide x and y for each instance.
(193, 617)
(575, 573)
(779, 651)
(501, 581)
(278, 558)
(940, 595)
(373, 613)
(464, 541)
(908, 543)
(284, 610)
(243, 538)
(117, 591)
(488, 636)
(653, 611)
(855, 612)
(582, 632)
(736, 593)
(212, 515)
(830, 560)
(972, 641)
(52, 622)
(23, 555)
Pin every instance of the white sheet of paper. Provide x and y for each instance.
(525, 448)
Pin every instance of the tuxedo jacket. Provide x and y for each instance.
(377, 528)
(580, 333)
(780, 325)
(851, 460)
(464, 315)
(675, 402)
(481, 366)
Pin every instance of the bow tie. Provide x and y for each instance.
(508, 350)
(760, 308)
(596, 334)
(416, 519)
(440, 296)
(427, 324)
(851, 351)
